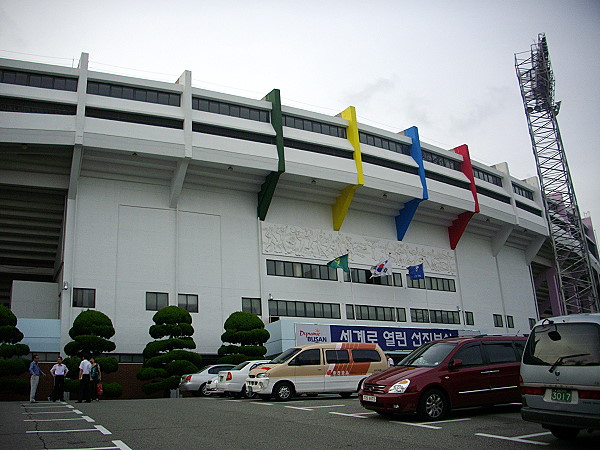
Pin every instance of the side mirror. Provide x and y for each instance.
(455, 364)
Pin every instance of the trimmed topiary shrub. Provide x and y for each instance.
(166, 359)
(112, 390)
(11, 352)
(248, 330)
(90, 332)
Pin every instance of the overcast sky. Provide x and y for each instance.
(445, 66)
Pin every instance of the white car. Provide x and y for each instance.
(211, 386)
(233, 381)
(196, 382)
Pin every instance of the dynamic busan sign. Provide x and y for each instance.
(389, 339)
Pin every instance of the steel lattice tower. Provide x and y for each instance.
(575, 275)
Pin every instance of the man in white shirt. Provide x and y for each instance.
(58, 371)
(84, 380)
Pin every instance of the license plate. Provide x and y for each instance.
(369, 398)
(561, 395)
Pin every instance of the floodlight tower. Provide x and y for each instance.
(577, 285)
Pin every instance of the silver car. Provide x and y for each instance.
(196, 382)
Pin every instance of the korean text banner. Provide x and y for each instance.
(392, 339)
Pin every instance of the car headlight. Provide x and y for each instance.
(263, 375)
(400, 387)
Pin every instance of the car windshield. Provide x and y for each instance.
(283, 357)
(428, 355)
(563, 344)
(240, 365)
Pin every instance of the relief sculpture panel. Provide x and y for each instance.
(296, 242)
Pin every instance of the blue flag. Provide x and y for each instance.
(416, 272)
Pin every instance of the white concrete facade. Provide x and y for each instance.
(159, 209)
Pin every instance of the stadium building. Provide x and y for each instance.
(126, 195)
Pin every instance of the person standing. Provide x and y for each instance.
(58, 371)
(95, 378)
(35, 372)
(390, 361)
(84, 380)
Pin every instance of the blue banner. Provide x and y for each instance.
(389, 339)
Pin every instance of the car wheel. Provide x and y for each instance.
(433, 405)
(565, 433)
(346, 394)
(247, 394)
(283, 391)
(202, 391)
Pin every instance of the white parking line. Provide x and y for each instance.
(311, 408)
(357, 415)
(120, 445)
(516, 438)
(62, 431)
(102, 430)
(52, 420)
(448, 421)
(262, 403)
(422, 425)
(54, 412)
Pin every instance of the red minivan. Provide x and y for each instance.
(450, 373)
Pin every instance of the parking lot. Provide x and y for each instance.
(316, 422)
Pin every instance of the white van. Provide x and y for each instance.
(560, 375)
(317, 368)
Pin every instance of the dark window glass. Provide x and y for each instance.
(35, 80)
(47, 82)
(498, 320)
(360, 355)
(401, 312)
(152, 96)
(84, 298)
(470, 355)
(469, 319)
(140, 95)
(510, 322)
(116, 91)
(155, 301)
(288, 269)
(234, 111)
(11, 77)
(271, 267)
(500, 352)
(337, 356)
(213, 107)
(189, 302)
(128, 93)
(174, 100)
(60, 83)
(244, 112)
(103, 89)
(310, 357)
(349, 311)
(71, 84)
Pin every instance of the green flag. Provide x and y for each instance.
(340, 262)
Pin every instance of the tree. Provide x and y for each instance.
(166, 360)
(248, 330)
(91, 332)
(10, 351)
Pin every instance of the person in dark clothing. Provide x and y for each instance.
(58, 371)
(84, 380)
(95, 378)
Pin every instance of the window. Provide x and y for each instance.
(470, 355)
(19, 105)
(349, 311)
(386, 144)
(189, 302)
(230, 109)
(360, 355)
(84, 298)
(469, 320)
(419, 315)
(301, 270)
(510, 323)
(519, 190)
(314, 126)
(432, 284)
(252, 305)
(363, 276)
(441, 160)
(37, 80)
(500, 352)
(498, 320)
(144, 119)
(291, 308)
(156, 300)
(532, 323)
(337, 356)
(437, 316)
(370, 312)
(486, 176)
(401, 314)
(310, 357)
(133, 93)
